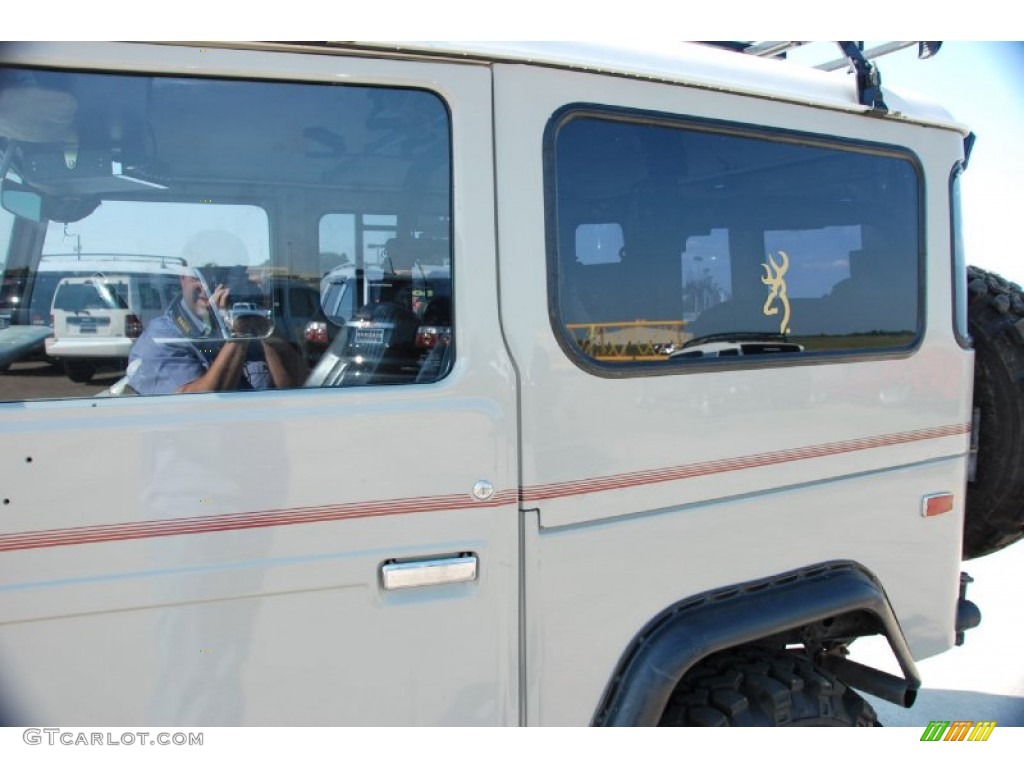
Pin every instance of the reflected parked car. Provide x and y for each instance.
(348, 294)
(734, 345)
(97, 319)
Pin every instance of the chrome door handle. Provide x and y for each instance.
(449, 569)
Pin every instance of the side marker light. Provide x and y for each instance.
(936, 504)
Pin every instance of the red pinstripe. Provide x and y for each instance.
(240, 521)
(686, 471)
(280, 517)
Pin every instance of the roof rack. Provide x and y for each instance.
(777, 49)
(925, 50)
(869, 80)
(163, 261)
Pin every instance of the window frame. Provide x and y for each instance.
(695, 123)
(958, 253)
(274, 207)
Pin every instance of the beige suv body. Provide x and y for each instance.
(534, 514)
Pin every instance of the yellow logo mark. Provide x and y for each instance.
(982, 731)
(773, 278)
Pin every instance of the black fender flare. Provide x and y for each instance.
(685, 633)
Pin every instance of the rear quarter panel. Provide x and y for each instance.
(645, 490)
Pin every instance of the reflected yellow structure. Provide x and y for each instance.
(629, 341)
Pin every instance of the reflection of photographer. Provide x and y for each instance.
(207, 343)
(248, 320)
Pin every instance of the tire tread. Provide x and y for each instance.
(754, 686)
(994, 516)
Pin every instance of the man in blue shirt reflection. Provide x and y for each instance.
(189, 349)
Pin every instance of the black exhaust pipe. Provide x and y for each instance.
(873, 681)
(968, 615)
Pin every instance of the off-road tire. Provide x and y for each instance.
(764, 687)
(995, 498)
(79, 372)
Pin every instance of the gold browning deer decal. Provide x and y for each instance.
(773, 278)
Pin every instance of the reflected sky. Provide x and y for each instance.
(126, 227)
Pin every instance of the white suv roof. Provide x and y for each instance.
(695, 64)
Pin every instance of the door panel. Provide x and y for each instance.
(217, 558)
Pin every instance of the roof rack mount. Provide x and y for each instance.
(777, 49)
(869, 80)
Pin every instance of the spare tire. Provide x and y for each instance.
(995, 493)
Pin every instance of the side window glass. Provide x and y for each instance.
(959, 261)
(599, 243)
(112, 283)
(387, 289)
(12, 289)
(678, 242)
(299, 238)
(7, 220)
(706, 273)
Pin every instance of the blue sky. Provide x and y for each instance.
(982, 85)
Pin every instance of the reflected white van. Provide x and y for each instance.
(96, 318)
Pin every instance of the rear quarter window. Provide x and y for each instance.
(669, 234)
